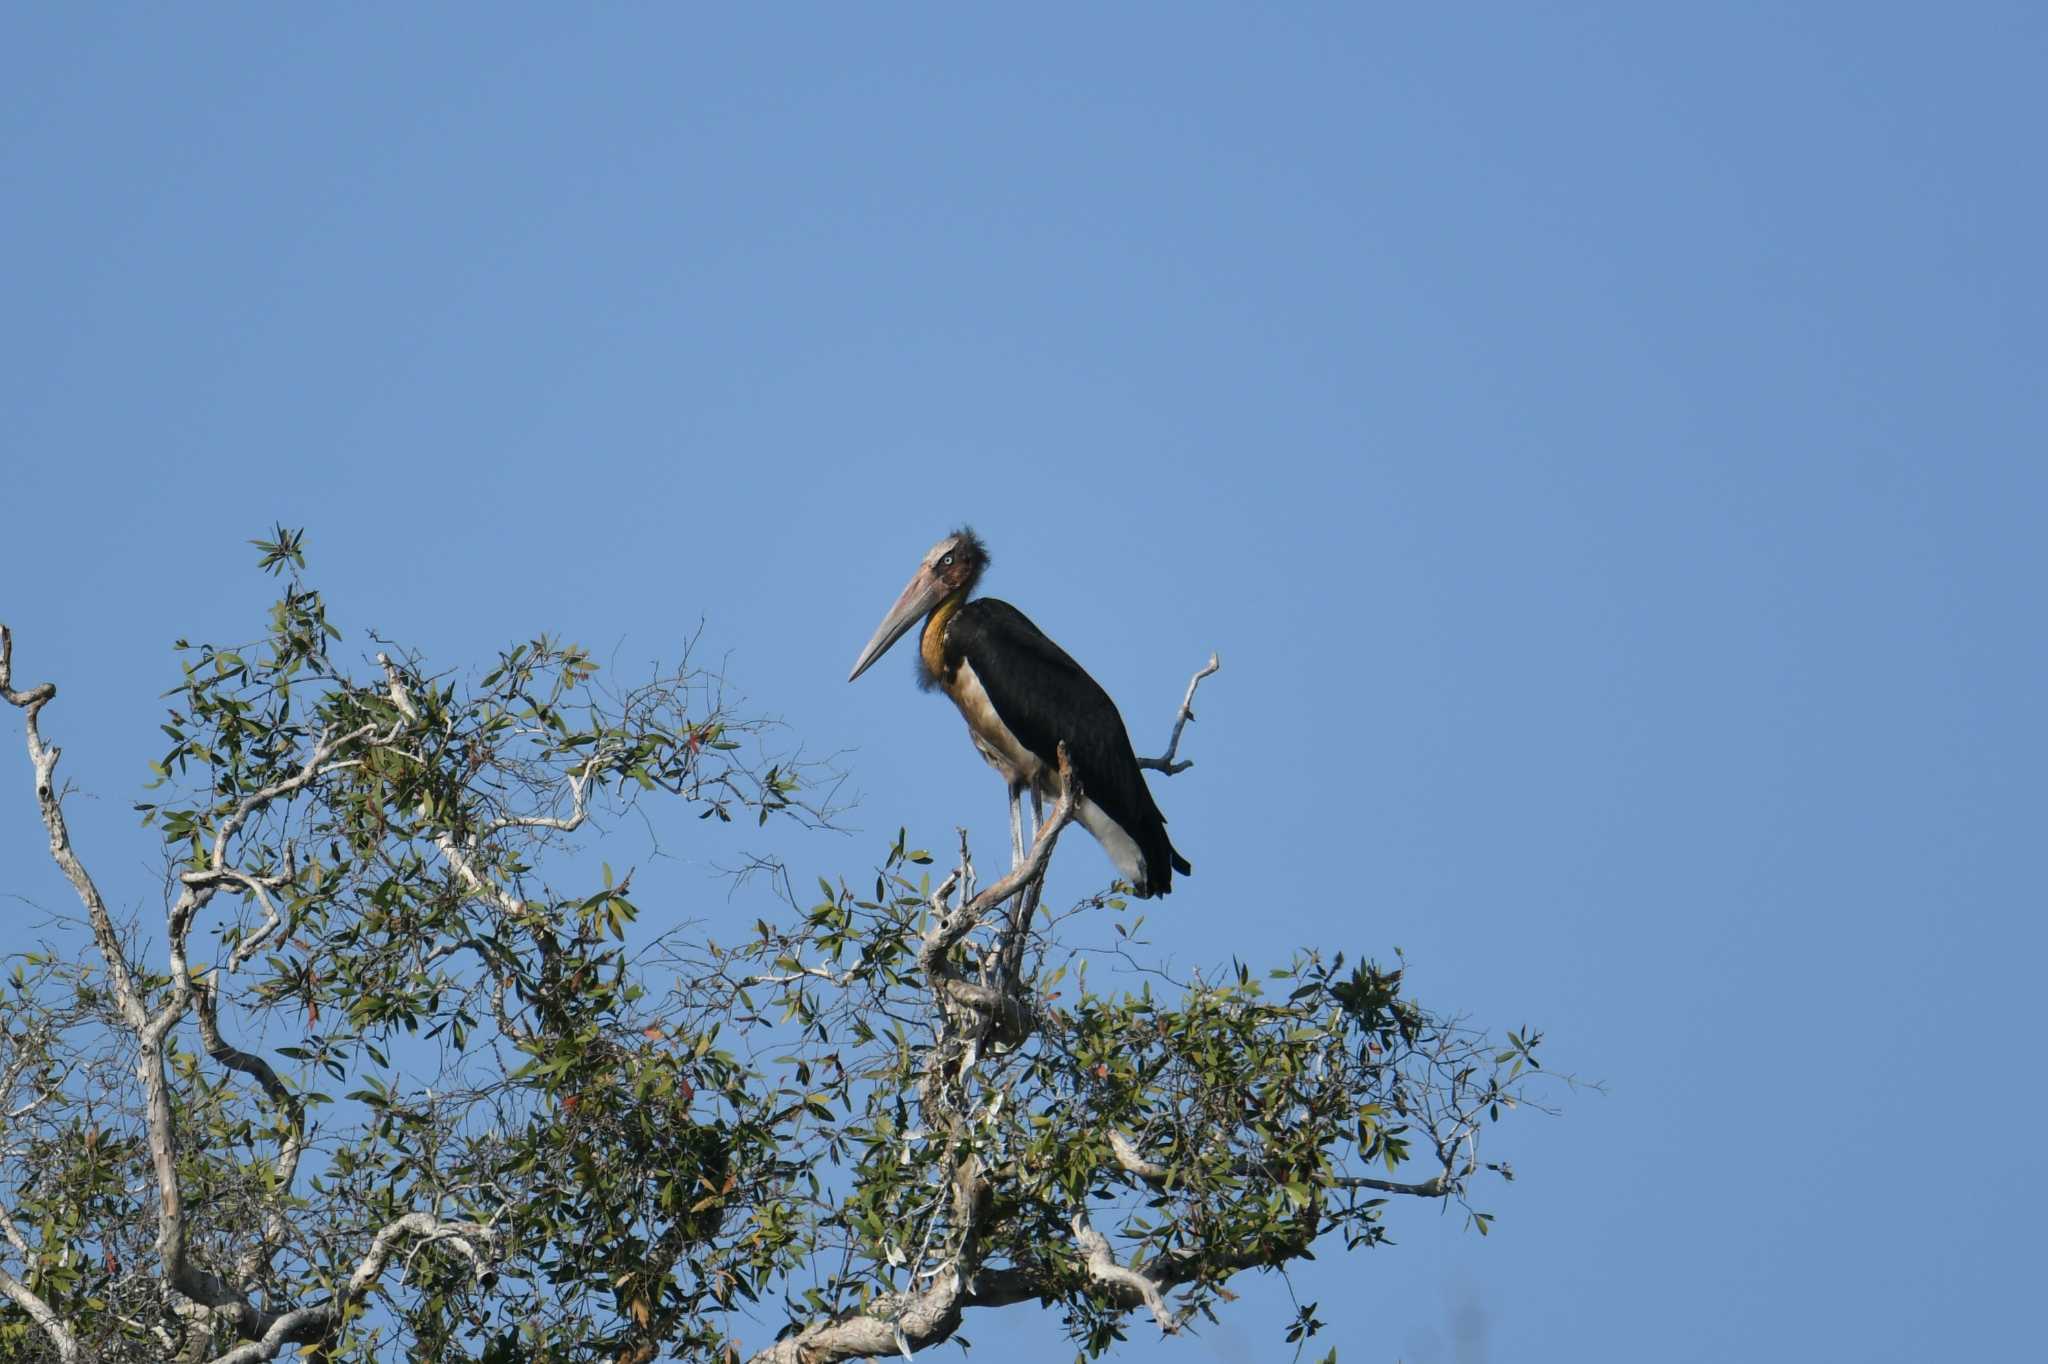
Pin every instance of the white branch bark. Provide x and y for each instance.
(966, 1011)
(1104, 1269)
(291, 1143)
(260, 887)
(304, 1324)
(316, 766)
(60, 1336)
(459, 858)
(264, 1333)
(50, 801)
(1128, 1156)
(1154, 1174)
(461, 855)
(200, 1285)
(1181, 717)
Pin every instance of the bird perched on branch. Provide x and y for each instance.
(1022, 696)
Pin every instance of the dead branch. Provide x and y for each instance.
(1181, 717)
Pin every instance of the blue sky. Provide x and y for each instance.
(1605, 444)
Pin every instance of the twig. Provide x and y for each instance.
(1180, 720)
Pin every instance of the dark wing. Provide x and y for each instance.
(1044, 696)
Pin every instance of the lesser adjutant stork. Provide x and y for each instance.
(1022, 696)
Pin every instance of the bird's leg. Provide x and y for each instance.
(1037, 815)
(1016, 827)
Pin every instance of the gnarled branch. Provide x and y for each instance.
(1181, 717)
(1132, 1285)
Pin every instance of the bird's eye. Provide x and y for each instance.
(947, 561)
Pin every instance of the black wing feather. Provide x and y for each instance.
(1044, 697)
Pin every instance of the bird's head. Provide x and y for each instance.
(950, 569)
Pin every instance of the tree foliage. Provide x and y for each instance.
(399, 1074)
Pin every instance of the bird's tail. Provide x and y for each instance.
(1162, 855)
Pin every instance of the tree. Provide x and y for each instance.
(377, 1087)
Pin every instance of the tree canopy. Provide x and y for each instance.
(400, 1072)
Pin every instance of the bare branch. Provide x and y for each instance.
(34, 696)
(840, 979)
(291, 1116)
(579, 792)
(892, 1324)
(459, 858)
(1434, 1187)
(272, 920)
(1127, 1283)
(203, 1286)
(1153, 1173)
(395, 686)
(315, 766)
(474, 879)
(902, 1323)
(948, 929)
(1127, 1155)
(306, 1324)
(43, 757)
(1181, 717)
(68, 1348)
(461, 855)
